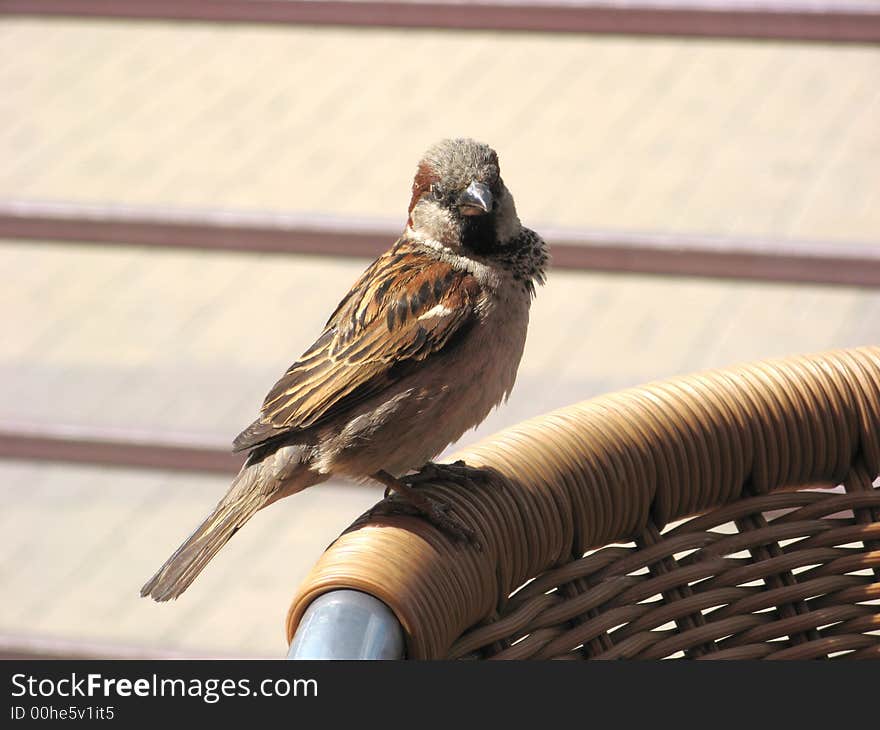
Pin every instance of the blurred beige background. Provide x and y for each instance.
(693, 136)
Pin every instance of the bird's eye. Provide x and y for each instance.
(437, 192)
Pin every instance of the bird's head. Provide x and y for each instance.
(459, 199)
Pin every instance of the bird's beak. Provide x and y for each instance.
(476, 200)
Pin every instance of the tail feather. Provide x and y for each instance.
(257, 485)
(182, 568)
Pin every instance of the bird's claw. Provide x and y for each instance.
(408, 499)
(440, 515)
(436, 512)
(457, 472)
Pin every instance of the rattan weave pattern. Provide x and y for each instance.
(764, 571)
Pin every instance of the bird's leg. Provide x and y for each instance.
(436, 512)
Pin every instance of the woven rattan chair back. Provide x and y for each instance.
(591, 549)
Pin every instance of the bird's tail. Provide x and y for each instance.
(247, 495)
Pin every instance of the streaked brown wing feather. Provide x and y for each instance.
(406, 306)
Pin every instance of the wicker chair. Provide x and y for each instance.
(591, 549)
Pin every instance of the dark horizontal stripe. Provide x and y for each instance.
(93, 446)
(723, 257)
(200, 229)
(854, 264)
(819, 20)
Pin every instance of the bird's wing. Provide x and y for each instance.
(406, 306)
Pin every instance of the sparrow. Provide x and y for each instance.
(425, 344)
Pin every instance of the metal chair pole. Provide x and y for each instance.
(347, 624)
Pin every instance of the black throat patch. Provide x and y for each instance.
(478, 233)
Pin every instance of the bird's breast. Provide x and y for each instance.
(476, 375)
(433, 406)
